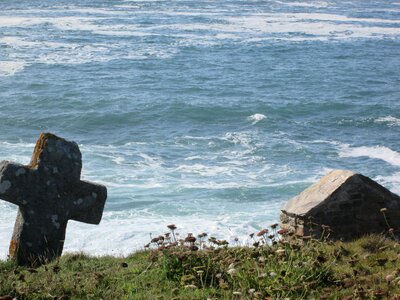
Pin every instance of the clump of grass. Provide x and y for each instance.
(263, 271)
(373, 243)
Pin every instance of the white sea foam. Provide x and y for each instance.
(126, 185)
(205, 170)
(136, 1)
(335, 17)
(61, 53)
(201, 138)
(390, 181)
(389, 120)
(17, 145)
(77, 55)
(97, 11)
(8, 216)
(16, 21)
(316, 4)
(378, 152)
(8, 68)
(257, 27)
(73, 23)
(195, 157)
(151, 161)
(316, 24)
(256, 118)
(72, 53)
(319, 25)
(77, 23)
(119, 160)
(220, 186)
(242, 138)
(14, 41)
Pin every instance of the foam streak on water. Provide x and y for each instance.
(206, 114)
(377, 152)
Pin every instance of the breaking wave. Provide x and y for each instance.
(377, 152)
(256, 118)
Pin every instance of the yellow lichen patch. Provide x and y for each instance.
(40, 145)
(13, 247)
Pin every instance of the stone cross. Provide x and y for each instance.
(49, 192)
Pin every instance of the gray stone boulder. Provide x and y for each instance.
(351, 205)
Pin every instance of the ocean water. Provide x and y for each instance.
(206, 114)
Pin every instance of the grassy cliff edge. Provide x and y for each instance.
(367, 268)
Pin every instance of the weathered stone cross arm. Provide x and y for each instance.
(89, 204)
(11, 180)
(49, 192)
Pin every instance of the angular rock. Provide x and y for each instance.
(49, 192)
(349, 203)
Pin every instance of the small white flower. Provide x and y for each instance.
(237, 293)
(232, 272)
(190, 286)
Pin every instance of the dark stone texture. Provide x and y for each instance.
(350, 204)
(49, 192)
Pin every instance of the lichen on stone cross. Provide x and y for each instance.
(49, 192)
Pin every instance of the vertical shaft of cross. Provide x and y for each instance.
(38, 246)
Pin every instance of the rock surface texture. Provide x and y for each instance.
(350, 204)
(49, 192)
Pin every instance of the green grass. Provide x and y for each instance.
(368, 268)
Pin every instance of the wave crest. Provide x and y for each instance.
(377, 152)
(256, 118)
(9, 68)
(389, 120)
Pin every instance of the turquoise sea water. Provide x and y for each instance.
(206, 114)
